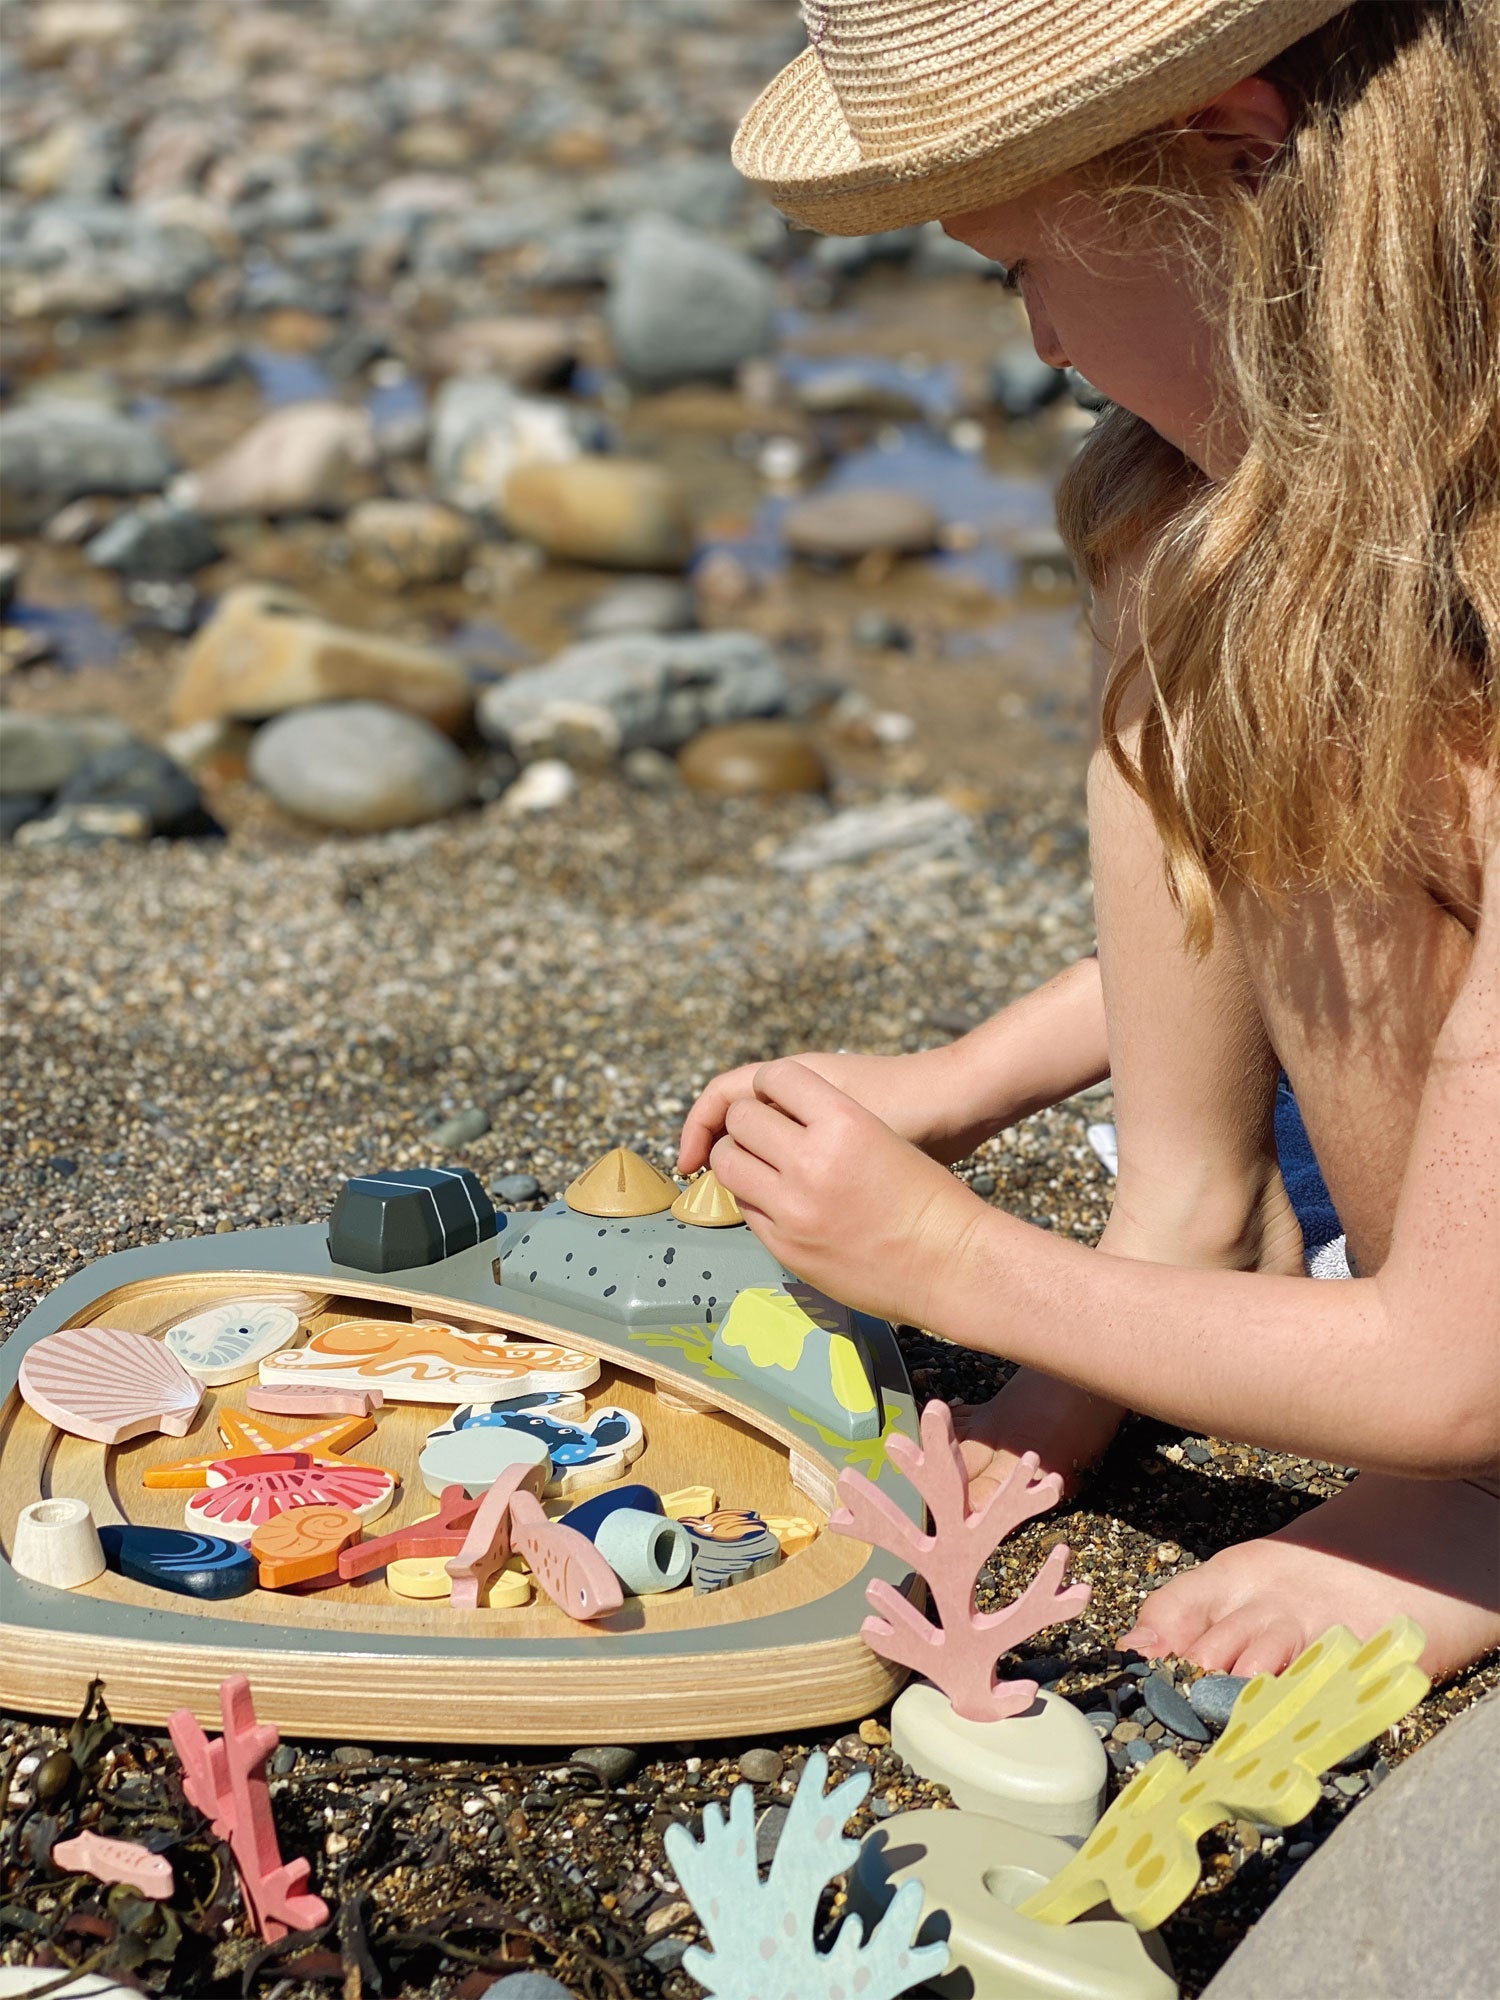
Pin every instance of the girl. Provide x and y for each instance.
(1280, 259)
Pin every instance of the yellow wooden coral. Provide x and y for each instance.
(1284, 1732)
(621, 1184)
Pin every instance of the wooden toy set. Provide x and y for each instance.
(454, 1475)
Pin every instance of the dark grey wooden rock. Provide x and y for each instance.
(1403, 1901)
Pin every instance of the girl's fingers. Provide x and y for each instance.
(748, 1179)
(763, 1130)
(705, 1121)
(797, 1090)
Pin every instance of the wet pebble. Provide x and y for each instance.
(1140, 1751)
(622, 513)
(1214, 1696)
(639, 604)
(398, 543)
(762, 1767)
(156, 539)
(742, 759)
(1173, 1710)
(613, 1762)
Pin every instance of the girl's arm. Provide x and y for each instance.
(1040, 1049)
(1399, 1372)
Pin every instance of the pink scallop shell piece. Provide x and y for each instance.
(103, 1383)
(253, 1492)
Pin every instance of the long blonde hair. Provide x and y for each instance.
(1320, 630)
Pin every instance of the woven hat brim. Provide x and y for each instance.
(795, 142)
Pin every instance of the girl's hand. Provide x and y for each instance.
(839, 1197)
(911, 1094)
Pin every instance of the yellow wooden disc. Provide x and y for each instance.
(793, 1533)
(419, 1576)
(509, 1589)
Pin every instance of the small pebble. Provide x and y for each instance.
(1299, 1850)
(1349, 1783)
(1173, 1710)
(514, 1188)
(1214, 1697)
(1169, 1553)
(352, 1753)
(1139, 1752)
(462, 1128)
(666, 1955)
(1102, 1719)
(667, 1916)
(283, 1760)
(1127, 1732)
(613, 1762)
(768, 1829)
(874, 1733)
(762, 1767)
(984, 1184)
(851, 1747)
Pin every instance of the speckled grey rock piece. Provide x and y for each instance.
(52, 452)
(1400, 1902)
(648, 1270)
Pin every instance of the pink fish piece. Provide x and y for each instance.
(566, 1564)
(486, 1548)
(90, 1853)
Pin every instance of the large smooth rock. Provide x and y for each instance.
(974, 1873)
(39, 753)
(1401, 1902)
(56, 451)
(1044, 1769)
(622, 513)
(640, 688)
(265, 650)
(684, 308)
(309, 458)
(859, 521)
(359, 766)
(397, 543)
(483, 430)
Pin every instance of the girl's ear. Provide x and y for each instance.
(1243, 127)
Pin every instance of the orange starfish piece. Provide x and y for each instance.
(247, 1437)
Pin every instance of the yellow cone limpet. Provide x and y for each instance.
(621, 1184)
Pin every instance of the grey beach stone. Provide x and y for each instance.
(54, 452)
(39, 753)
(462, 1128)
(684, 308)
(1214, 1697)
(1173, 1710)
(639, 688)
(511, 1188)
(613, 1762)
(155, 539)
(358, 765)
(912, 830)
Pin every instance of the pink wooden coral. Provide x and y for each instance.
(957, 1655)
(486, 1548)
(226, 1781)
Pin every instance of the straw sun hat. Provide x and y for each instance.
(902, 110)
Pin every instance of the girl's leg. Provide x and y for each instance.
(1194, 1085)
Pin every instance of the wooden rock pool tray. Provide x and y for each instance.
(776, 1651)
